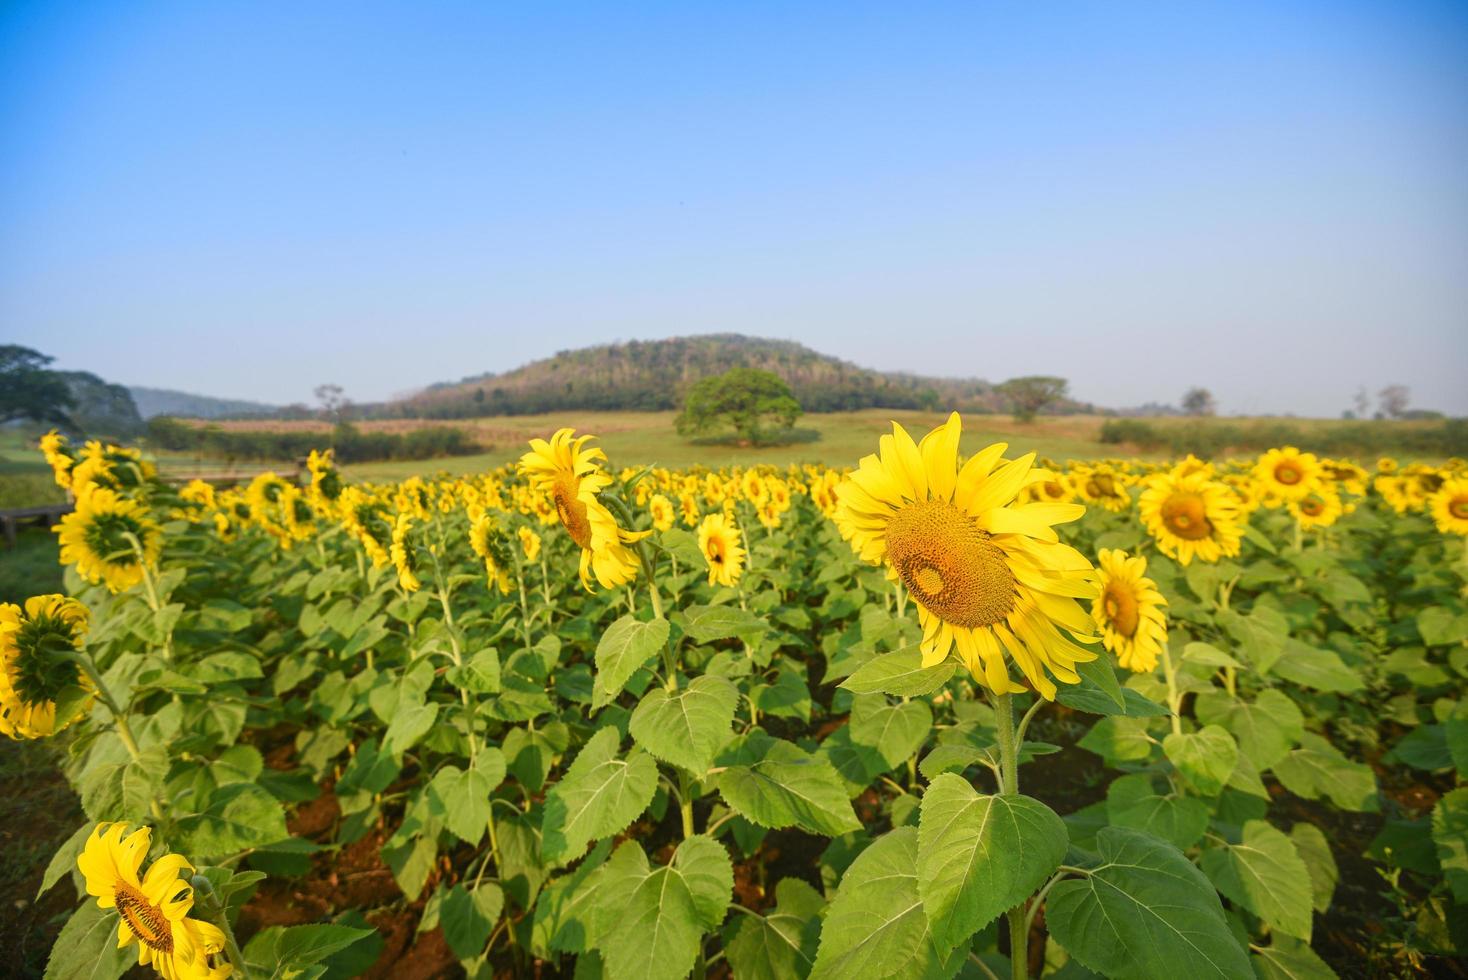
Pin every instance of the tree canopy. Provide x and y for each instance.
(31, 390)
(748, 400)
(1027, 395)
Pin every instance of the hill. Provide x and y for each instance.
(152, 402)
(651, 376)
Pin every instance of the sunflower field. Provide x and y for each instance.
(951, 711)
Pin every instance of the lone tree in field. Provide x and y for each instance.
(1026, 396)
(749, 400)
(29, 390)
(1393, 400)
(1199, 401)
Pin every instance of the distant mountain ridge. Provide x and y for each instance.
(153, 402)
(651, 375)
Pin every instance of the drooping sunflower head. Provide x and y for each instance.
(488, 539)
(1320, 507)
(1103, 484)
(366, 520)
(404, 552)
(719, 540)
(103, 538)
(1449, 506)
(1287, 473)
(529, 543)
(1128, 611)
(326, 480)
(36, 675)
(152, 908)
(989, 576)
(59, 456)
(1191, 516)
(572, 475)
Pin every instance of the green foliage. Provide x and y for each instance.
(1025, 397)
(752, 402)
(352, 444)
(30, 390)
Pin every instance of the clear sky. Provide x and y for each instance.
(247, 199)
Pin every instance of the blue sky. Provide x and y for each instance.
(248, 199)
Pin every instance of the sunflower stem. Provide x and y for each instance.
(458, 655)
(215, 911)
(1009, 786)
(124, 730)
(1174, 700)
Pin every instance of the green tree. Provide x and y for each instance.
(747, 399)
(1026, 396)
(30, 390)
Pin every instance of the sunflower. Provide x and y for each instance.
(688, 509)
(1129, 611)
(488, 541)
(1386, 465)
(988, 576)
(719, 540)
(1048, 487)
(1191, 517)
(153, 910)
(1318, 508)
(1287, 473)
(661, 509)
(32, 679)
(573, 477)
(366, 520)
(529, 543)
(405, 554)
(59, 456)
(1449, 506)
(326, 480)
(98, 537)
(1104, 485)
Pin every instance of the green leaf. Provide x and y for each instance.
(623, 649)
(783, 943)
(1424, 747)
(1144, 912)
(1450, 835)
(1208, 655)
(87, 949)
(409, 723)
(480, 674)
(688, 727)
(1098, 702)
(894, 730)
(371, 770)
(1289, 959)
(980, 855)
(286, 951)
(1099, 673)
(467, 917)
(1266, 729)
(1315, 851)
(462, 797)
(599, 796)
(1456, 726)
(787, 787)
(708, 623)
(1317, 769)
(1132, 801)
(900, 673)
(239, 817)
(1265, 875)
(1206, 758)
(1261, 634)
(662, 913)
(1118, 739)
(1442, 627)
(875, 927)
(562, 922)
(64, 860)
(1322, 670)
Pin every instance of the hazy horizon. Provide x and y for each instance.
(1267, 200)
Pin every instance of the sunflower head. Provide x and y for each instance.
(404, 554)
(109, 538)
(1449, 506)
(1319, 508)
(989, 576)
(1128, 611)
(529, 543)
(662, 512)
(572, 476)
(1191, 516)
(1287, 473)
(37, 673)
(719, 540)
